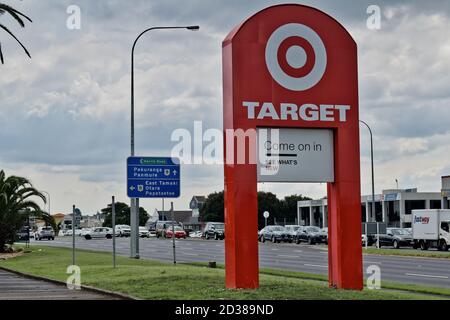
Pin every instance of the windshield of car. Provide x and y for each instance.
(176, 228)
(219, 225)
(401, 232)
(47, 229)
(278, 228)
(313, 229)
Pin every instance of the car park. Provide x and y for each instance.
(45, 233)
(123, 230)
(292, 229)
(99, 233)
(144, 232)
(396, 237)
(179, 232)
(161, 227)
(274, 234)
(214, 230)
(310, 234)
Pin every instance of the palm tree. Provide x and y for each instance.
(19, 17)
(16, 205)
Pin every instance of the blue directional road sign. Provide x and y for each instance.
(153, 177)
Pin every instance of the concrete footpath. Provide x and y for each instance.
(16, 287)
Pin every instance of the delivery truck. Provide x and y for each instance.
(430, 229)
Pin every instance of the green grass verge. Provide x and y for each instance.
(149, 279)
(408, 253)
(318, 277)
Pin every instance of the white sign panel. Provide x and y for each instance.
(295, 155)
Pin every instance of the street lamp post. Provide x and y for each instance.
(373, 174)
(134, 214)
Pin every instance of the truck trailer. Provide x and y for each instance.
(430, 229)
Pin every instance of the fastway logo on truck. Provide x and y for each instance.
(422, 220)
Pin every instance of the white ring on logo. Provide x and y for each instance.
(285, 80)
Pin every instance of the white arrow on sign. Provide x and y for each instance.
(132, 188)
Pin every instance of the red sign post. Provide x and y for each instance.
(292, 66)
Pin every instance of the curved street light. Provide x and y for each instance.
(135, 201)
(373, 174)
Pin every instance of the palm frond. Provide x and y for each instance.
(17, 15)
(10, 10)
(18, 41)
(1, 54)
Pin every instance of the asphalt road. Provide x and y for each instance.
(303, 257)
(15, 287)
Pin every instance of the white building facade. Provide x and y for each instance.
(393, 207)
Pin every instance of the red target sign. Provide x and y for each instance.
(292, 66)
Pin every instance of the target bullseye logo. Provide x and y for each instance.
(296, 57)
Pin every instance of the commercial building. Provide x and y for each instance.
(393, 206)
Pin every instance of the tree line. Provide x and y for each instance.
(279, 209)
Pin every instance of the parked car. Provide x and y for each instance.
(99, 233)
(310, 234)
(397, 238)
(371, 239)
(23, 234)
(85, 231)
(274, 234)
(325, 234)
(143, 232)
(45, 233)
(195, 234)
(123, 230)
(179, 232)
(161, 227)
(292, 229)
(214, 230)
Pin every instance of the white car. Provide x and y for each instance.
(123, 230)
(99, 233)
(85, 231)
(44, 233)
(195, 234)
(143, 232)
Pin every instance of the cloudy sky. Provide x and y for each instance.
(64, 120)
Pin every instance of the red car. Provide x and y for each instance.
(179, 232)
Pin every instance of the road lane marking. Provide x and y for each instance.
(372, 262)
(287, 256)
(298, 251)
(425, 275)
(275, 249)
(190, 254)
(315, 265)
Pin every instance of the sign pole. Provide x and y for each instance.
(173, 233)
(73, 235)
(113, 214)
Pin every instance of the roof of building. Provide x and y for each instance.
(183, 216)
(200, 198)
